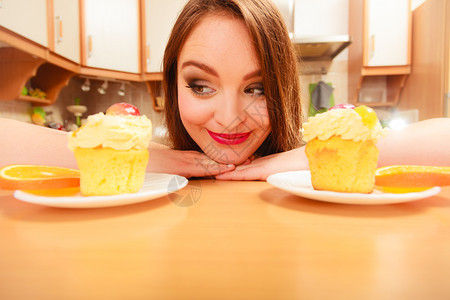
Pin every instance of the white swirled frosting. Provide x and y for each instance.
(345, 123)
(120, 132)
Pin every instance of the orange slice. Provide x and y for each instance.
(410, 178)
(400, 190)
(33, 177)
(65, 192)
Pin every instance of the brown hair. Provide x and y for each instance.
(277, 60)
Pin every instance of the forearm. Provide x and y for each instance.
(263, 167)
(422, 143)
(24, 143)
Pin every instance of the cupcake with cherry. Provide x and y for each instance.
(111, 151)
(341, 148)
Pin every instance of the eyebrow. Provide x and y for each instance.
(213, 72)
(201, 66)
(250, 75)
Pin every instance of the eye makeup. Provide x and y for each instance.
(200, 89)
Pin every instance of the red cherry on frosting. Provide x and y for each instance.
(123, 109)
(343, 106)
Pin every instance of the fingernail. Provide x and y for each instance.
(230, 165)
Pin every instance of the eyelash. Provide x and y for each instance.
(193, 87)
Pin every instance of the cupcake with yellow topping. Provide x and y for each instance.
(111, 151)
(341, 148)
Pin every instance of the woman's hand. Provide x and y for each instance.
(184, 163)
(261, 168)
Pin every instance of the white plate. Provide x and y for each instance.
(155, 186)
(299, 183)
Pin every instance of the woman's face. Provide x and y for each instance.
(220, 92)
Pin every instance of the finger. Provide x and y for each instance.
(216, 169)
(210, 168)
(243, 174)
(206, 171)
(247, 162)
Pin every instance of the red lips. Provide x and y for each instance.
(229, 139)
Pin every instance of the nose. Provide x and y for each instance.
(230, 111)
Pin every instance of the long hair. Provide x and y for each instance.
(277, 60)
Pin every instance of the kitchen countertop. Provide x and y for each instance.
(231, 240)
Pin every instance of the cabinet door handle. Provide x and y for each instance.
(89, 45)
(59, 29)
(372, 46)
(147, 54)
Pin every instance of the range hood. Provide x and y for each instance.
(316, 51)
(319, 48)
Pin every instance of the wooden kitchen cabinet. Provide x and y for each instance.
(388, 33)
(17, 68)
(111, 35)
(428, 86)
(25, 59)
(27, 18)
(159, 17)
(65, 29)
(98, 38)
(380, 52)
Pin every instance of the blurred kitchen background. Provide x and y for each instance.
(330, 36)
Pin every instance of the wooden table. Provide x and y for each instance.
(226, 240)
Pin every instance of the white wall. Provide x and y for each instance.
(321, 17)
(325, 17)
(416, 3)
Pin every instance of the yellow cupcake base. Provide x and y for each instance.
(106, 171)
(342, 165)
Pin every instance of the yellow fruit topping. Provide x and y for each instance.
(368, 115)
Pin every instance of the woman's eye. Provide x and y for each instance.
(200, 90)
(255, 91)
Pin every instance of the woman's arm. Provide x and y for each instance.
(261, 168)
(25, 143)
(422, 143)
